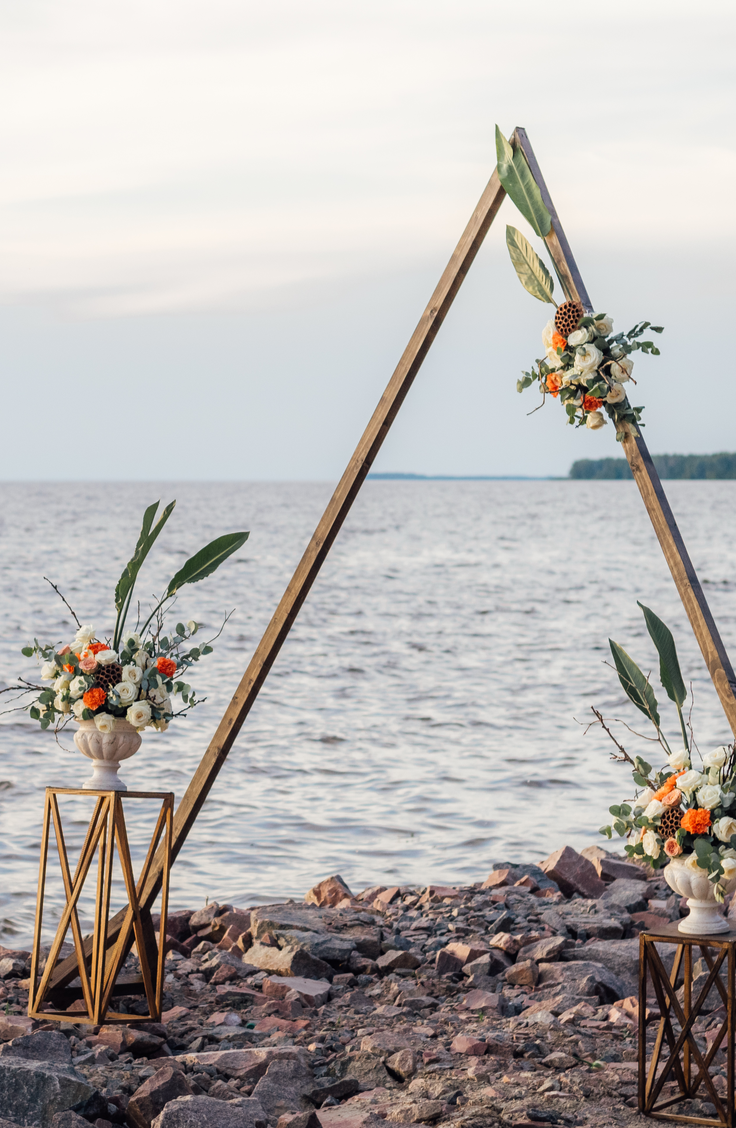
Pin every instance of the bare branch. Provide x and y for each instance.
(61, 597)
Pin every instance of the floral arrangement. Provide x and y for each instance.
(678, 809)
(132, 675)
(585, 365)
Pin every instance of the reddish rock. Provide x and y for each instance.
(369, 895)
(268, 1025)
(155, 1093)
(465, 1044)
(177, 924)
(298, 1120)
(349, 1116)
(573, 873)
(329, 892)
(438, 893)
(289, 961)
(609, 869)
(446, 963)
(15, 1026)
(481, 1000)
(386, 897)
(126, 1040)
(403, 1064)
(231, 937)
(549, 948)
(649, 921)
(498, 878)
(389, 961)
(524, 973)
(203, 916)
(527, 882)
(175, 1014)
(384, 1041)
(311, 992)
(505, 942)
(466, 953)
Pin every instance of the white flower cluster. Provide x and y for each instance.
(580, 364)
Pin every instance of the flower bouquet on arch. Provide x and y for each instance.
(681, 813)
(116, 686)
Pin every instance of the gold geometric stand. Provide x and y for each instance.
(100, 961)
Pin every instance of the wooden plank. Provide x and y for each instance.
(329, 526)
(650, 486)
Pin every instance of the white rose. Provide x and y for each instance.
(553, 360)
(651, 844)
(654, 809)
(547, 334)
(645, 798)
(690, 780)
(127, 692)
(579, 337)
(679, 760)
(709, 796)
(78, 686)
(142, 659)
(616, 394)
(603, 326)
(139, 714)
(49, 670)
(62, 683)
(727, 851)
(62, 704)
(692, 863)
(622, 370)
(131, 641)
(83, 637)
(587, 359)
(193, 627)
(594, 420)
(104, 722)
(729, 868)
(78, 708)
(106, 657)
(716, 758)
(132, 674)
(724, 828)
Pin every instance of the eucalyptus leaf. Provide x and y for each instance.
(206, 561)
(532, 272)
(635, 684)
(521, 187)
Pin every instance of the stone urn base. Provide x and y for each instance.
(706, 914)
(106, 750)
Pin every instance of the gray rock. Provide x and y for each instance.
(365, 1066)
(524, 869)
(585, 978)
(68, 1119)
(206, 1112)
(594, 926)
(548, 949)
(151, 1098)
(284, 1088)
(14, 1124)
(289, 961)
(492, 963)
(44, 1045)
(32, 1091)
(323, 946)
(626, 894)
(11, 969)
(278, 918)
(621, 957)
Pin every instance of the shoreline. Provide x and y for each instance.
(511, 1001)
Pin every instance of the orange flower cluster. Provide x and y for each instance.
(94, 698)
(96, 647)
(166, 666)
(592, 403)
(554, 383)
(695, 821)
(667, 786)
(558, 341)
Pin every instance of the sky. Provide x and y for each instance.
(221, 221)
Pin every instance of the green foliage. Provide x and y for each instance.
(635, 684)
(692, 467)
(521, 187)
(206, 561)
(532, 272)
(669, 666)
(126, 583)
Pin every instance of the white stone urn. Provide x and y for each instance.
(106, 750)
(706, 915)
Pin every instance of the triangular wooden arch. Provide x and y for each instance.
(635, 449)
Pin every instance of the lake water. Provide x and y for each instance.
(426, 715)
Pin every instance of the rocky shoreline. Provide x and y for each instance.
(510, 1002)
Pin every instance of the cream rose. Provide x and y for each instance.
(78, 708)
(132, 674)
(49, 670)
(553, 360)
(716, 758)
(709, 796)
(106, 657)
(127, 692)
(131, 641)
(616, 394)
(587, 359)
(62, 683)
(142, 659)
(104, 722)
(83, 637)
(690, 780)
(594, 421)
(654, 809)
(62, 704)
(603, 326)
(692, 863)
(724, 828)
(622, 369)
(139, 714)
(729, 869)
(651, 844)
(78, 686)
(547, 334)
(679, 760)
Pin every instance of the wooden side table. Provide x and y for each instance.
(676, 1055)
(100, 963)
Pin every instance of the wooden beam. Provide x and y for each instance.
(309, 566)
(648, 481)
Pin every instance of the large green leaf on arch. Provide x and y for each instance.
(521, 187)
(206, 561)
(532, 272)
(635, 683)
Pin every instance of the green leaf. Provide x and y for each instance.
(532, 272)
(615, 810)
(27, 651)
(206, 561)
(634, 683)
(639, 780)
(523, 190)
(606, 830)
(669, 666)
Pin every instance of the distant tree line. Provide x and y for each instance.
(696, 466)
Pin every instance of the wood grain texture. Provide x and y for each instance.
(650, 485)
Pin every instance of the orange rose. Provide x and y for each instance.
(558, 341)
(667, 787)
(591, 403)
(673, 799)
(96, 647)
(554, 383)
(695, 821)
(94, 698)
(672, 848)
(166, 667)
